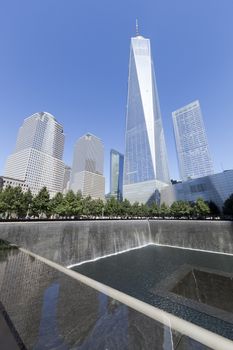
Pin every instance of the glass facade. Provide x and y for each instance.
(88, 155)
(216, 188)
(116, 174)
(87, 168)
(191, 142)
(145, 149)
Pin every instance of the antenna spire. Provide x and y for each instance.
(137, 30)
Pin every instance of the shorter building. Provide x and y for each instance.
(66, 181)
(9, 181)
(145, 192)
(116, 174)
(37, 158)
(216, 188)
(191, 142)
(90, 184)
(87, 168)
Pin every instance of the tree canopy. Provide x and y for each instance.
(16, 204)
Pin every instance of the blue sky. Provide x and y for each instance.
(70, 58)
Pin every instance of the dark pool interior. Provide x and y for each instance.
(196, 286)
(42, 308)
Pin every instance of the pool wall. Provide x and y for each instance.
(71, 242)
(204, 235)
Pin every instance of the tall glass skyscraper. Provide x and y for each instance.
(37, 158)
(116, 174)
(191, 142)
(146, 164)
(87, 169)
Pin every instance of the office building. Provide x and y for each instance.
(37, 158)
(191, 142)
(116, 174)
(66, 180)
(87, 168)
(8, 181)
(146, 164)
(216, 188)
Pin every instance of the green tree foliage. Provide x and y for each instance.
(98, 208)
(135, 209)
(87, 205)
(154, 210)
(27, 202)
(17, 204)
(112, 207)
(180, 209)
(56, 205)
(41, 204)
(69, 207)
(143, 211)
(164, 210)
(125, 208)
(201, 208)
(12, 202)
(228, 206)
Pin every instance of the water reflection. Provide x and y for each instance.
(152, 274)
(50, 310)
(49, 336)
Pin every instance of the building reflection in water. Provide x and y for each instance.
(50, 310)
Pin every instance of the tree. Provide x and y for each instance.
(164, 210)
(56, 204)
(112, 207)
(201, 208)
(98, 207)
(180, 209)
(228, 206)
(143, 210)
(40, 204)
(154, 210)
(135, 209)
(11, 202)
(125, 208)
(27, 202)
(69, 207)
(86, 206)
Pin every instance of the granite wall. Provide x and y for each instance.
(206, 235)
(71, 242)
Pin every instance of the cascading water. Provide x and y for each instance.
(72, 242)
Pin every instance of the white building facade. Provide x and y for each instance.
(66, 180)
(8, 181)
(146, 163)
(87, 168)
(37, 158)
(191, 142)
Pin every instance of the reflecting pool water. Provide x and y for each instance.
(196, 286)
(43, 308)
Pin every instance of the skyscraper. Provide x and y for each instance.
(146, 164)
(116, 174)
(37, 158)
(66, 180)
(191, 142)
(87, 169)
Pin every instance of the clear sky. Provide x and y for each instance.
(70, 58)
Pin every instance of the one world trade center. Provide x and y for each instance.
(146, 165)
